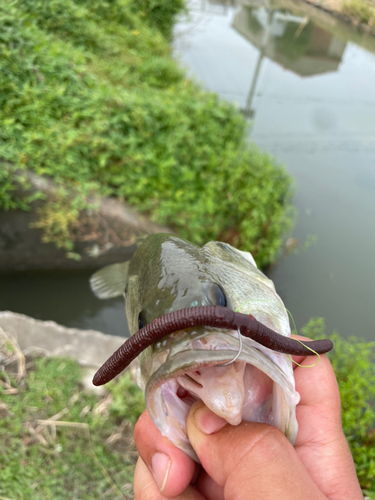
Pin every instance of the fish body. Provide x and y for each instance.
(169, 274)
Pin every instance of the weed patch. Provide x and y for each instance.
(92, 98)
(61, 442)
(361, 10)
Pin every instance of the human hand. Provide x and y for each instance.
(251, 458)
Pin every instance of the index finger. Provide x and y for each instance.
(321, 443)
(298, 360)
(317, 386)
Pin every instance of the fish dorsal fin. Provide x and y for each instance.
(110, 281)
(247, 256)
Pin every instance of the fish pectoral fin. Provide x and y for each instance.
(110, 281)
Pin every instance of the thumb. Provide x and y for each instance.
(250, 458)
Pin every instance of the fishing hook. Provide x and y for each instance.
(237, 355)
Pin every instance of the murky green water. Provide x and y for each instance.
(307, 84)
(64, 297)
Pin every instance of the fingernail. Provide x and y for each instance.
(207, 421)
(160, 465)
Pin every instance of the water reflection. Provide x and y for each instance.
(293, 41)
(306, 81)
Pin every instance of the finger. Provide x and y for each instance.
(144, 483)
(172, 469)
(145, 487)
(250, 457)
(321, 443)
(299, 359)
(319, 396)
(207, 486)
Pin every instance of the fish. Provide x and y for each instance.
(239, 381)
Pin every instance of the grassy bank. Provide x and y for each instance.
(60, 442)
(362, 11)
(355, 11)
(91, 97)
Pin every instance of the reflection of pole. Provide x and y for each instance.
(248, 112)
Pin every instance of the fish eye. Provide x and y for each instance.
(214, 294)
(141, 321)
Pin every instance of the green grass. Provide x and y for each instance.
(76, 463)
(361, 10)
(91, 97)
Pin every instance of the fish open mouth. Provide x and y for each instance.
(235, 392)
(257, 387)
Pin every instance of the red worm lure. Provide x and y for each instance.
(215, 316)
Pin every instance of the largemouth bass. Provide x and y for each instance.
(168, 274)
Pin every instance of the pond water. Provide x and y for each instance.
(64, 297)
(306, 82)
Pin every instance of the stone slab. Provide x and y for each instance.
(103, 236)
(89, 347)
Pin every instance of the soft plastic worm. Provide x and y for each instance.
(215, 316)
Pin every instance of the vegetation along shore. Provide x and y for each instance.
(360, 13)
(92, 98)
